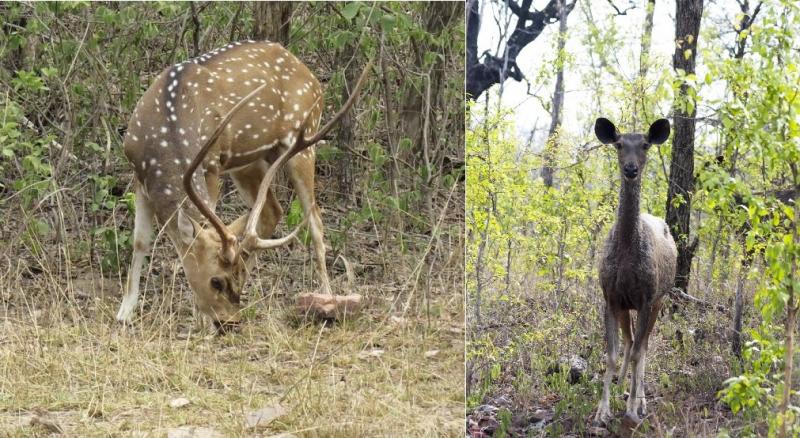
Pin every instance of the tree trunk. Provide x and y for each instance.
(345, 131)
(508, 263)
(491, 70)
(738, 307)
(791, 309)
(681, 178)
(644, 61)
(272, 21)
(647, 36)
(558, 100)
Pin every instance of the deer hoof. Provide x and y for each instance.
(602, 417)
(629, 424)
(598, 431)
(642, 411)
(125, 316)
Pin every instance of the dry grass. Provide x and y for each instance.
(65, 362)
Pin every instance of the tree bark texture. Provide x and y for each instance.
(681, 178)
(272, 21)
(345, 132)
(558, 101)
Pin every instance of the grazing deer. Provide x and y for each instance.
(637, 267)
(243, 109)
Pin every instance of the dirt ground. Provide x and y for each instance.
(550, 357)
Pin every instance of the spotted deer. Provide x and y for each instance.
(637, 267)
(245, 109)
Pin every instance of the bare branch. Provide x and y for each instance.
(623, 12)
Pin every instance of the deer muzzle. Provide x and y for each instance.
(630, 170)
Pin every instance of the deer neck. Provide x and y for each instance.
(628, 232)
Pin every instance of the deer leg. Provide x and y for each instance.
(301, 174)
(611, 329)
(142, 243)
(627, 338)
(247, 181)
(654, 311)
(645, 319)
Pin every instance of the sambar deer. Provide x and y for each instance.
(637, 267)
(245, 109)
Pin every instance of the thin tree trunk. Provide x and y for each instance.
(714, 247)
(272, 21)
(478, 268)
(391, 136)
(647, 36)
(791, 318)
(558, 100)
(738, 307)
(345, 133)
(644, 61)
(681, 178)
(508, 264)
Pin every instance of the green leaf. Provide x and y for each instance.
(351, 10)
(387, 23)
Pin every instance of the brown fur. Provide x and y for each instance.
(172, 121)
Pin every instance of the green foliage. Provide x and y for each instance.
(759, 120)
(531, 249)
(75, 71)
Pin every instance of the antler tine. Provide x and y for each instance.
(228, 239)
(346, 107)
(251, 240)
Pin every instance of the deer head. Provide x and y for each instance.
(217, 259)
(631, 148)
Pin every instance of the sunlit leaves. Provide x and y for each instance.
(759, 124)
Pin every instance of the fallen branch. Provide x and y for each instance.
(681, 295)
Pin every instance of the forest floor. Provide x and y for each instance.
(395, 369)
(549, 353)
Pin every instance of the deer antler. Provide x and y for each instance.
(250, 239)
(229, 243)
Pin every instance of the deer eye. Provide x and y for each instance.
(217, 284)
(618, 145)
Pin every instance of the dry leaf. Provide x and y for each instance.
(375, 352)
(264, 416)
(431, 353)
(179, 402)
(398, 320)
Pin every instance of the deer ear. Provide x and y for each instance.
(605, 131)
(187, 227)
(658, 132)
